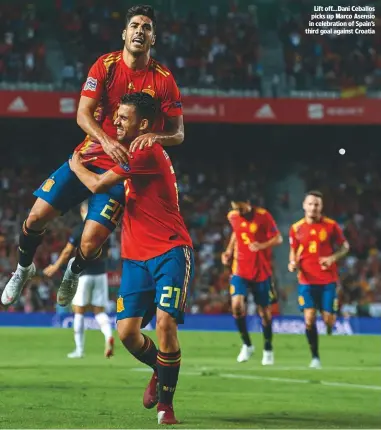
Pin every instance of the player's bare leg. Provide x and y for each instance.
(79, 332)
(143, 349)
(105, 326)
(312, 336)
(31, 236)
(239, 315)
(168, 366)
(93, 237)
(329, 320)
(266, 318)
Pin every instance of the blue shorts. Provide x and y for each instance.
(320, 297)
(262, 291)
(161, 282)
(63, 190)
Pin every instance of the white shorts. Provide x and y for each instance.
(92, 290)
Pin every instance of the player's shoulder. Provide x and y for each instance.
(295, 227)
(111, 58)
(232, 214)
(261, 211)
(160, 69)
(329, 221)
(155, 152)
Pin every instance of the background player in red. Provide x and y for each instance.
(130, 70)
(254, 234)
(156, 251)
(312, 242)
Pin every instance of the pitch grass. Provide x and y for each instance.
(41, 388)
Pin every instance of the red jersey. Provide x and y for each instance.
(108, 80)
(312, 241)
(152, 224)
(253, 266)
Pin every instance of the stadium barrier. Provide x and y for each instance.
(282, 324)
(30, 104)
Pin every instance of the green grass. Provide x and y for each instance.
(41, 388)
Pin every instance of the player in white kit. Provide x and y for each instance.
(92, 292)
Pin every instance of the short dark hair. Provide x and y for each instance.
(239, 196)
(315, 193)
(142, 9)
(145, 105)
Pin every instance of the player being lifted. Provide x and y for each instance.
(312, 242)
(156, 251)
(254, 234)
(92, 291)
(112, 75)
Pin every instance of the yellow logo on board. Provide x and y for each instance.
(48, 185)
(120, 305)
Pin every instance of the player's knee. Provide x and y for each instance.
(129, 336)
(238, 311)
(166, 327)
(38, 218)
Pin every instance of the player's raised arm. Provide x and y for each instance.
(171, 106)
(97, 184)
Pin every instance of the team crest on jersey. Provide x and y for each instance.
(131, 86)
(119, 305)
(322, 235)
(253, 227)
(149, 91)
(91, 84)
(48, 185)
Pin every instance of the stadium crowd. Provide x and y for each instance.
(352, 197)
(213, 48)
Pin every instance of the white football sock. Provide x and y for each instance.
(104, 323)
(79, 332)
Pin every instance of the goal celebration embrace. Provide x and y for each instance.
(190, 216)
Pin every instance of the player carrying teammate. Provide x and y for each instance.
(112, 75)
(156, 250)
(254, 234)
(92, 291)
(312, 241)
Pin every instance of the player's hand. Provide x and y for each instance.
(225, 258)
(50, 270)
(326, 262)
(256, 246)
(76, 161)
(292, 266)
(144, 141)
(116, 151)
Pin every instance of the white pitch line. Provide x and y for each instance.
(275, 379)
(245, 367)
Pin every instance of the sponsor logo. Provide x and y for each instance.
(18, 105)
(67, 105)
(198, 110)
(265, 112)
(315, 111)
(91, 84)
(345, 111)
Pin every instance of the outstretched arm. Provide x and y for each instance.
(95, 183)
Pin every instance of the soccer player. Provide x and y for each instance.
(312, 242)
(156, 251)
(112, 75)
(92, 291)
(254, 234)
